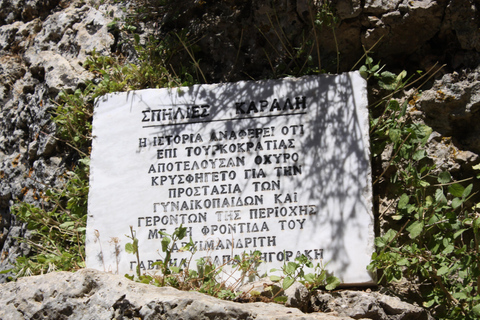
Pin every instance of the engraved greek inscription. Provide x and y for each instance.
(254, 173)
(292, 224)
(240, 147)
(172, 219)
(169, 114)
(290, 211)
(266, 185)
(204, 190)
(176, 179)
(287, 198)
(276, 158)
(166, 153)
(251, 133)
(170, 206)
(293, 130)
(156, 233)
(142, 143)
(242, 243)
(233, 228)
(275, 105)
(288, 171)
(177, 139)
(196, 165)
(228, 215)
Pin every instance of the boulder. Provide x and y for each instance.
(91, 294)
(367, 305)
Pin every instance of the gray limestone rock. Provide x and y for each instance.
(371, 305)
(91, 294)
(41, 51)
(452, 107)
(297, 294)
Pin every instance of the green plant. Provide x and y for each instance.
(204, 279)
(58, 226)
(58, 233)
(433, 238)
(295, 271)
(326, 17)
(299, 60)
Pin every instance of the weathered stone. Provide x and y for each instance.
(297, 296)
(39, 57)
(26, 10)
(459, 99)
(347, 9)
(371, 305)
(462, 18)
(400, 28)
(90, 294)
(380, 6)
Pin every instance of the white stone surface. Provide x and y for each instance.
(314, 196)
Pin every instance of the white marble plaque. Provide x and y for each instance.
(279, 166)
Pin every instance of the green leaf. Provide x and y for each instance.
(332, 283)
(287, 282)
(456, 202)
(444, 177)
(404, 199)
(443, 270)
(363, 72)
(476, 310)
(291, 267)
(428, 201)
(275, 278)
(449, 249)
(467, 191)
(456, 190)
(458, 233)
(393, 105)
(310, 277)
(67, 225)
(424, 183)
(395, 135)
(476, 223)
(428, 304)
(415, 229)
(419, 155)
(163, 233)
(180, 232)
(165, 243)
(280, 299)
(402, 75)
(403, 262)
(440, 197)
(129, 248)
(388, 76)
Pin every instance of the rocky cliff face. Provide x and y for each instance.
(44, 42)
(43, 45)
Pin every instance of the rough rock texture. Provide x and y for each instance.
(371, 305)
(297, 294)
(459, 96)
(354, 304)
(91, 294)
(249, 39)
(38, 59)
